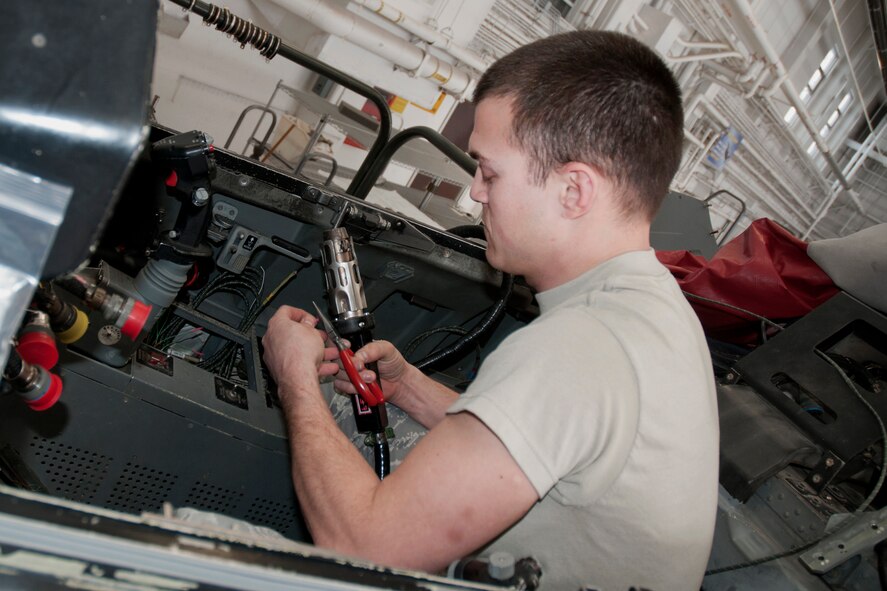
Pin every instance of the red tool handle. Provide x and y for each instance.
(372, 393)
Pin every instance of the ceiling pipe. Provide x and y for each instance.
(702, 44)
(867, 151)
(745, 10)
(428, 34)
(418, 62)
(698, 57)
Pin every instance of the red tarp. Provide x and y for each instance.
(765, 270)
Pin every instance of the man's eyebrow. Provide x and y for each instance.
(478, 157)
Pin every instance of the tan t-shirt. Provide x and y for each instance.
(607, 403)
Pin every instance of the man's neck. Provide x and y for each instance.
(590, 253)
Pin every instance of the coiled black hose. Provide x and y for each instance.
(381, 455)
(448, 355)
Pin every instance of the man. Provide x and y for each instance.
(589, 439)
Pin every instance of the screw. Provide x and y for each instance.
(816, 479)
(243, 181)
(200, 196)
(829, 462)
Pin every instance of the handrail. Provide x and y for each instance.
(735, 220)
(270, 45)
(260, 146)
(449, 149)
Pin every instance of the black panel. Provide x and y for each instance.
(790, 372)
(75, 85)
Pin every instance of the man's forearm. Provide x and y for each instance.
(425, 400)
(334, 484)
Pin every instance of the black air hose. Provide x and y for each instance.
(14, 364)
(75, 284)
(447, 356)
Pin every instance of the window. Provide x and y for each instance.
(805, 94)
(825, 66)
(815, 79)
(812, 149)
(836, 114)
(828, 61)
(790, 115)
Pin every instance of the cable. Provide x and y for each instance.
(421, 337)
(486, 326)
(737, 308)
(862, 506)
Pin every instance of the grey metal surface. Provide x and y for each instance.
(134, 448)
(683, 223)
(864, 532)
(31, 211)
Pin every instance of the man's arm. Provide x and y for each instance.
(457, 490)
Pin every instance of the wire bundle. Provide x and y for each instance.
(248, 288)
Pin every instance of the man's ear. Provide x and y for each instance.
(581, 185)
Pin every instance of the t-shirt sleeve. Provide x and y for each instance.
(562, 397)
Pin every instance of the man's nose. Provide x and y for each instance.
(477, 191)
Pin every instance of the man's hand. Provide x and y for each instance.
(425, 400)
(294, 348)
(390, 363)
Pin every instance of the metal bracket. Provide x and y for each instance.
(847, 542)
(825, 471)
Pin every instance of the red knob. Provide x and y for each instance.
(53, 392)
(136, 320)
(38, 347)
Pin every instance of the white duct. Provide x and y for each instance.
(347, 25)
(426, 33)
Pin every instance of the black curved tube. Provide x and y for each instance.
(449, 149)
(202, 9)
(447, 356)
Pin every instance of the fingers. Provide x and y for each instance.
(296, 315)
(375, 351)
(328, 369)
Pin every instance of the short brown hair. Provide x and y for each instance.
(597, 97)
